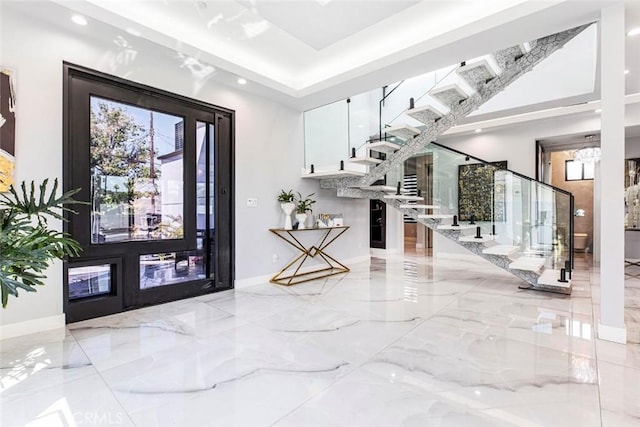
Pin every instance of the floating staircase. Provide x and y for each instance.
(477, 82)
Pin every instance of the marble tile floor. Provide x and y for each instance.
(403, 340)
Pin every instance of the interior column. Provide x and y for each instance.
(612, 41)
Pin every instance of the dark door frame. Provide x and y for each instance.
(79, 84)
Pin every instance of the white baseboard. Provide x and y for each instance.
(32, 326)
(251, 281)
(612, 333)
(257, 280)
(383, 252)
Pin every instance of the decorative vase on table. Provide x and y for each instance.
(288, 210)
(302, 219)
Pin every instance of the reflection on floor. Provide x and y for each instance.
(402, 341)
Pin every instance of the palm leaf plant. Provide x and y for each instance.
(27, 243)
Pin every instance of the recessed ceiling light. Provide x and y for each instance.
(626, 71)
(134, 32)
(634, 31)
(79, 19)
(478, 130)
(242, 81)
(599, 110)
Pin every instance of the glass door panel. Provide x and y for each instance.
(211, 199)
(136, 166)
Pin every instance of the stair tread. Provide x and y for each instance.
(550, 278)
(484, 238)
(384, 188)
(527, 263)
(435, 216)
(331, 174)
(402, 131)
(403, 197)
(449, 94)
(386, 147)
(480, 70)
(505, 250)
(425, 114)
(457, 227)
(419, 207)
(365, 160)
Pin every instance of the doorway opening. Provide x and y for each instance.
(560, 164)
(418, 179)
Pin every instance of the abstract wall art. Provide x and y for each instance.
(7, 129)
(481, 191)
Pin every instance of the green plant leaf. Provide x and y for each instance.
(27, 244)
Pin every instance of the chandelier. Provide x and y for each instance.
(589, 153)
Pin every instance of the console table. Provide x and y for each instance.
(291, 274)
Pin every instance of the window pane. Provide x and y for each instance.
(89, 281)
(169, 268)
(589, 170)
(136, 169)
(574, 170)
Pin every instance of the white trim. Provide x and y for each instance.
(376, 252)
(32, 326)
(612, 333)
(536, 115)
(251, 281)
(259, 280)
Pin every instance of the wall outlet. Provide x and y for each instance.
(252, 203)
(275, 258)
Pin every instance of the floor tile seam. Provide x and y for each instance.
(317, 393)
(49, 386)
(120, 404)
(620, 364)
(520, 340)
(501, 386)
(194, 339)
(595, 334)
(370, 358)
(144, 324)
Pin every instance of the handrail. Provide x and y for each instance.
(560, 190)
(436, 82)
(386, 95)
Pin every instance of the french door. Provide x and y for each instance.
(156, 172)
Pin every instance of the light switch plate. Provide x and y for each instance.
(252, 203)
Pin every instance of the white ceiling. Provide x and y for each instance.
(309, 52)
(319, 23)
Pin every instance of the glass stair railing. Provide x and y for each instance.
(517, 223)
(521, 225)
(332, 132)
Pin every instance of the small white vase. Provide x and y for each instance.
(302, 218)
(288, 210)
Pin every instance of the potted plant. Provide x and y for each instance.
(27, 243)
(286, 199)
(303, 205)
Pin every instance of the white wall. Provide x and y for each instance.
(632, 148)
(269, 141)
